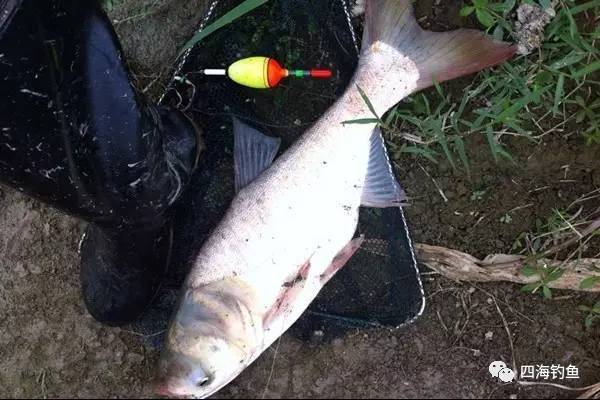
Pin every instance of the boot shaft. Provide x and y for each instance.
(73, 131)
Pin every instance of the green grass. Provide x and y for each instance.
(558, 227)
(592, 313)
(243, 8)
(551, 90)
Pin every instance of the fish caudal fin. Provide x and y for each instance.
(437, 56)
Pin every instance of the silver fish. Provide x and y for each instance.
(291, 226)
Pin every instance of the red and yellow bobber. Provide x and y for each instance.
(264, 72)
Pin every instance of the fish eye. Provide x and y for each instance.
(203, 382)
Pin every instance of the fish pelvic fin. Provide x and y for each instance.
(392, 30)
(341, 259)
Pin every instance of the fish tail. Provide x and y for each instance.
(434, 56)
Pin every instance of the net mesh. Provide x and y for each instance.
(380, 285)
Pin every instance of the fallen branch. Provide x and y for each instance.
(460, 266)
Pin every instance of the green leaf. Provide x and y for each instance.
(590, 282)
(554, 275)
(527, 270)
(466, 11)
(570, 59)
(368, 102)
(244, 8)
(361, 121)
(441, 138)
(530, 287)
(439, 89)
(485, 18)
(459, 144)
(493, 143)
(547, 292)
(558, 93)
(572, 24)
(588, 69)
(498, 33)
(585, 6)
(589, 320)
(584, 308)
(508, 6)
(427, 153)
(108, 5)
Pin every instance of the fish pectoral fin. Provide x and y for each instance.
(342, 258)
(253, 152)
(380, 188)
(289, 293)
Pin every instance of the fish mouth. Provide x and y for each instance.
(165, 391)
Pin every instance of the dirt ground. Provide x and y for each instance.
(50, 347)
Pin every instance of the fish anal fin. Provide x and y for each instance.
(380, 189)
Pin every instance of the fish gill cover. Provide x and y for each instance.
(380, 285)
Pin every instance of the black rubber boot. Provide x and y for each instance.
(75, 134)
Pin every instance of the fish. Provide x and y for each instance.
(292, 224)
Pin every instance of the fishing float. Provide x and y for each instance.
(264, 72)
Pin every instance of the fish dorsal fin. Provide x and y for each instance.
(253, 152)
(381, 188)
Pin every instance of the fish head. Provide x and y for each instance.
(181, 376)
(211, 340)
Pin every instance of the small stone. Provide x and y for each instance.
(34, 269)
(20, 269)
(317, 337)
(489, 335)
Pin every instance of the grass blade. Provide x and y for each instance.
(588, 69)
(459, 144)
(427, 153)
(368, 102)
(558, 93)
(361, 121)
(244, 8)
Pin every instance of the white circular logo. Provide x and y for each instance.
(495, 368)
(498, 369)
